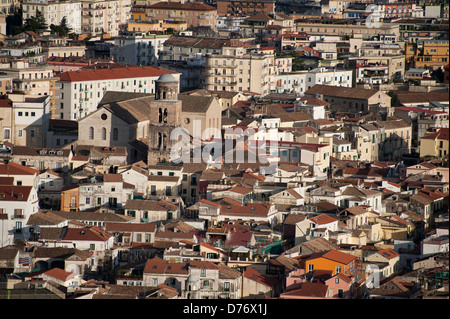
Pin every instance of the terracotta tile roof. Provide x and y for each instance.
(113, 73)
(59, 252)
(254, 275)
(226, 272)
(86, 234)
(421, 97)
(308, 289)
(14, 193)
(239, 238)
(45, 219)
(59, 274)
(150, 205)
(195, 103)
(441, 134)
(388, 253)
(205, 201)
(202, 264)
(112, 178)
(16, 169)
(251, 209)
(342, 92)
(157, 265)
(323, 219)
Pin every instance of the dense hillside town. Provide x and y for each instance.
(224, 149)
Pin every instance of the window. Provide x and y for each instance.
(91, 133)
(338, 269)
(103, 133)
(310, 268)
(226, 286)
(115, 134)
(203, 272)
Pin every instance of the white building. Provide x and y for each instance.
(79, 92)
(138, 48)
(17, 204)
(31, 116)
(54, 11)
(301, 81)
(112, 191)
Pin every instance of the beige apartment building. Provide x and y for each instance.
(237, 70)
(31, 80)
(105, 16)
(224, 64)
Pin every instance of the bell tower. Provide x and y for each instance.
(167, 116)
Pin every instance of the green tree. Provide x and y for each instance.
(395, 101)
(62, 29)
(36, 23)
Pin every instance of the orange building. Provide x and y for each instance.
(332, 260)
(70, 199)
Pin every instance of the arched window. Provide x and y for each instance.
(103, 133)
(115, 134)
(91, 133)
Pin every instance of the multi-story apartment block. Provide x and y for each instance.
(32, 80)
(138, 48)
(202, 59)
(79, 92)
(54, 11)
(105, 16)
(235, 69)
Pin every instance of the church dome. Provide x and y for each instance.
(167, 78)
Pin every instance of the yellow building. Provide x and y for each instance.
(435, 144)
(427, 53)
